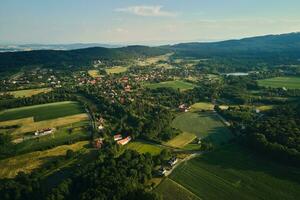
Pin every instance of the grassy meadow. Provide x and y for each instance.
(143, 147)
(116, 70)
(233, 172)
(43, 111)
(10, 167)
(203, 124)
(178, 84)
(288, 82)
(30, 92)
(207, 106)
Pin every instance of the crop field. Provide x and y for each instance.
(143, 147)
(94, 73)
(181, 140)
(154, 60)
(43, 111)
(205, 125)
(30, 92)
(279, 82)
(170, 190)
(10, 167)
(233, 172)
(202, 106)
(178, 84)
(116, 70)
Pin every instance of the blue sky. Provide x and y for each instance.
(143, 21)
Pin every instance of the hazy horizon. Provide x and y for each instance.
(144, 22)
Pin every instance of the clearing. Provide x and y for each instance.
(178, 84)
(207, 106)
(289, 82)
(233, 172)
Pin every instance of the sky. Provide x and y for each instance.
(148, 22)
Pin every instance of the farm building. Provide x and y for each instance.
(173, 161)
(124, 141)
(43, 132)
(162, 171)
(117, 137)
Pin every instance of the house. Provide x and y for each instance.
(127, 88)
(124, 141)
(173, 161)
(118, 137)
(43, 132)
(100, 127)
(183, 108)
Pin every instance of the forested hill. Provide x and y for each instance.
(58, 58)
(262, 46)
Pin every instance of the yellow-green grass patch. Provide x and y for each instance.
(10, 167)
(116, 70)
(202, 106)
(94, 73)
(181, 140)
(29, 92)
(143, 147)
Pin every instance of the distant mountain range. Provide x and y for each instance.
(30, 47)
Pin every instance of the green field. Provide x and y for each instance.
(204, 124)
(170, 190)
(30, 92)
(233, 172)
(143, 147)
(181, 85)
(43, 112)
(279, 82)
(202, 106)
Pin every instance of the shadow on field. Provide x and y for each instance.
(236, 157)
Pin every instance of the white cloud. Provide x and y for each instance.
(154, 11)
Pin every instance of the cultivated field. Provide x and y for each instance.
(204, 124)
(30, 92)
(116, 70)
(181, 140)
(178, 84)
(143, 147)
(94, 73)
(170, 190)
(154, 60)
(43, 111)
(279, 82)
(10, 167)
(233, 172)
